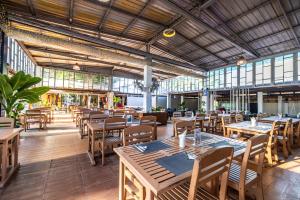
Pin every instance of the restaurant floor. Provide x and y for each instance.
(54, 165)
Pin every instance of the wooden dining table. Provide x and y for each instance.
(295, 126)
(154, 175)
(9, 143)
(246, 128)
(98, 127)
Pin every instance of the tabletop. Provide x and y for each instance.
(282, 119)
(8, 133)
(246, 126)
(160, 169)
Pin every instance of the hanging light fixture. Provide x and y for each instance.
(76, 67)
(241, 61)
(169, 32)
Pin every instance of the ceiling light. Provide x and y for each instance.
(76, 67)
(241, 61)
(169, 32)
(105, 1)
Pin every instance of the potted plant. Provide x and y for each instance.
(17, 90)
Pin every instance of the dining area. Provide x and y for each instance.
(216, 155)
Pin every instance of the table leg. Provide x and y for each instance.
(16, 149)
(91, 150)
(121, 181)
(4, 160)
(149, 194)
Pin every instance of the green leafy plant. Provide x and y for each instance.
(182, 106)
(17, 90)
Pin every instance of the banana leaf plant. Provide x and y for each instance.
(17, 90)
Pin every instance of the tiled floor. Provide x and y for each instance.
(54, 165)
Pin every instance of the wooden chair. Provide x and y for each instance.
(284, 138)
(211, 124)
(118, 113)
(151, 121)
(272, 149)
(211, 166)
(189, 114)
(107, 138)
(133, 189)
(199, 120)
(6, 122)
(177, 114)
(138, 134)
(248, 172)
(97, 116)
(182, 126)
(225, 121)
(239, 118)
(33, 117)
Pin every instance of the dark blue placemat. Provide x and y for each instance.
(153, 146)
(177, 163)
(225, 143)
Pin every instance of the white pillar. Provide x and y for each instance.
(181, 99)
(98, 101)
(211, 102)
(206, 101)
(280, 105)
(89, 101)
(147, 84)
(169, 97)
(260, 102)
(110, 100)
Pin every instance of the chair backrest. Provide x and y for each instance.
(148, 120)
(97, 116)
(177, 114)
(182, 126)
(274, 132)
(287, 128)
(239, 118)
(33, 111)
(138, 134)
(254, 156)
(209, 166)
(118, 113)
(6, 122)
(225, 120)
(188, 114)
(115, 123)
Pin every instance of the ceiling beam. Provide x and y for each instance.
(83, 57)
(99, 41)
(288, 22)
(46, 18)
(124, 12)
(133, 21)
(105, 15)
(31, 7)
(199, 21)
(71, 11)
(201, 48)
(231, 32)
(181, 19)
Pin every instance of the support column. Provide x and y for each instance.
(3, 55)
(110, 100)
(280, 105)
(260, 102)
(211, 102)
(205, 99)
(147, 84)
(169, 97)
(89, 101)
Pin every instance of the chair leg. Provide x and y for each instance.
(275, 153)
(284, 149)
(242, 193)
(260, 192)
